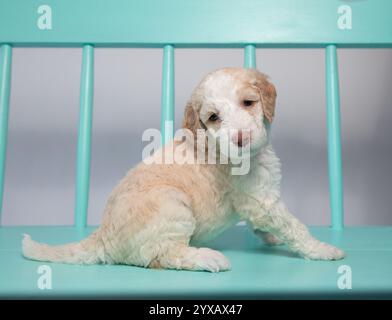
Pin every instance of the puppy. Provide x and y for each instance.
(159, 214)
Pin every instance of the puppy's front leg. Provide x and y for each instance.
(268, 238)
(277, 220)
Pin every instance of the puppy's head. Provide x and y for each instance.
(234, 103)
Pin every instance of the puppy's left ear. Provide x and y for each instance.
(268, 97)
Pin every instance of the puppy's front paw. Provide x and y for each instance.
(210, 260)
(323, 251)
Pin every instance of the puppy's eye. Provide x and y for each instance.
(248, 103)
(214, 117)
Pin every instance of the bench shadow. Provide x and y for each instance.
(281, 251)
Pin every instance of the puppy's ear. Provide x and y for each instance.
(268, 97)
(191, 118)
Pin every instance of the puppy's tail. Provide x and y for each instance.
(87, 251)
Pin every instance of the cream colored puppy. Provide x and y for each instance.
(159, 214)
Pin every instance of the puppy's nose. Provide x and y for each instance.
(241, 138)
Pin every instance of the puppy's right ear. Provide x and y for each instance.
(191, 118)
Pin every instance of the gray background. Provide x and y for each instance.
(39, 186)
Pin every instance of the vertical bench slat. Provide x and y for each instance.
(250, 56)
(84, 137)
(334, 136)
(250, 63)
(167, 102)
(5, 85)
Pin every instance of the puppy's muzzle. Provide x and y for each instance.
(241, 138)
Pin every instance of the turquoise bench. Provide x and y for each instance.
(258, 270)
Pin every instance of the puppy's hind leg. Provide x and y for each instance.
(169, 246)
(190, 258)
